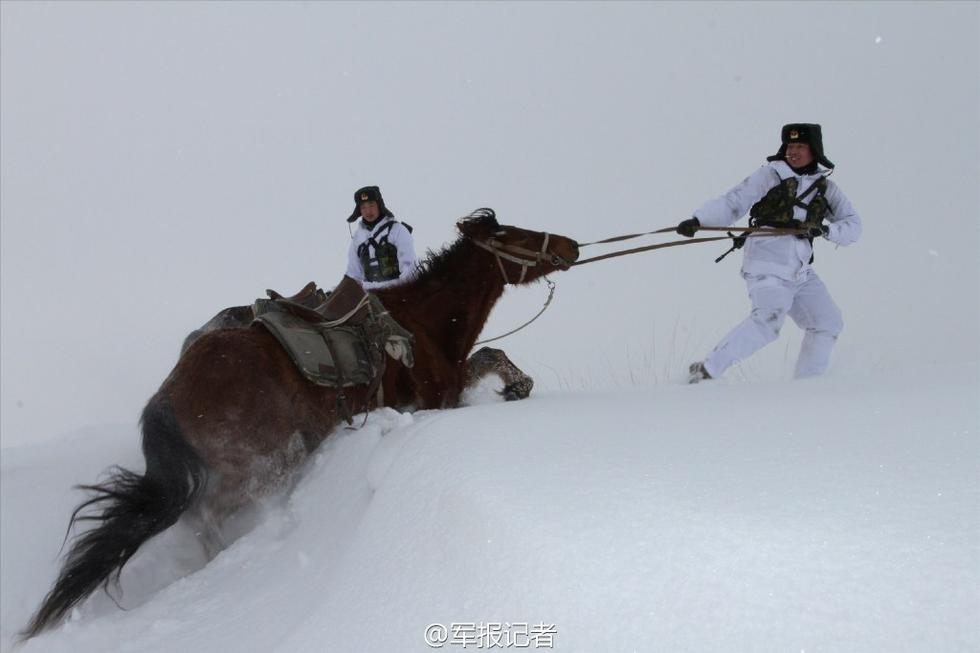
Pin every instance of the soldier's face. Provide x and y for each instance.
(370, 211)
(798, 155)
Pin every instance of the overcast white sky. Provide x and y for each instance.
(160, 161)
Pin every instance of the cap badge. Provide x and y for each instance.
(794, 134)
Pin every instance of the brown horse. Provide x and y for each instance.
(484, 362)
(235, 418)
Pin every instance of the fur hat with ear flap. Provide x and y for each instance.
(803, 132)
(369, 194)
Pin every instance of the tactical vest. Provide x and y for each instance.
(776, 208)
(383, 266)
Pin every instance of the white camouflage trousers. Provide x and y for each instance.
(806, 300)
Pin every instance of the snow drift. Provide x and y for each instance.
(828, 514)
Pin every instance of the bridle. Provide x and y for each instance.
(524, 257)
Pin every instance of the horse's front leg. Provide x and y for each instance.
(517, 384)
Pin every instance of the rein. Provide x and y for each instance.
(551, 294)
(747, 232)
(531, 258)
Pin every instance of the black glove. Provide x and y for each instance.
(689, 227)
(815, 232)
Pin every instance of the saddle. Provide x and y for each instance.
(341, 342)
(309, 296)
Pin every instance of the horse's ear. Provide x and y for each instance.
(478, 223)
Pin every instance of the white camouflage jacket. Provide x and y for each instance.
(399, 236)
(783, 256)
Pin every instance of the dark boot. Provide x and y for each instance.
(696, 373)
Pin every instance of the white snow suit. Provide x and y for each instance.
(398, 235)
(778, 274)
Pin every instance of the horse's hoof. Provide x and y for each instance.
(516, 391)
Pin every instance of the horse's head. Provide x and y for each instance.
(522, 255)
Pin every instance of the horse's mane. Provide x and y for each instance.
(439, 264)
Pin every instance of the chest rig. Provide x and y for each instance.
(379, 256)
(776, 208)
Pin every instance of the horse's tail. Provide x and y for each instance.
(130, 510)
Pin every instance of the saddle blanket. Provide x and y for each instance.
(337, 356)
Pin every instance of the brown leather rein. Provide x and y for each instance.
(747, 232)
(526, 258)
(532, 258)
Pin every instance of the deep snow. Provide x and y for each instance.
(833, 514)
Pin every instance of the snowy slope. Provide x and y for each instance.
(834, 514)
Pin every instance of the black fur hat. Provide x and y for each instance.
(802, 132)
(369, 194)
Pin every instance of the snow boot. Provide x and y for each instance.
(696, 373)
